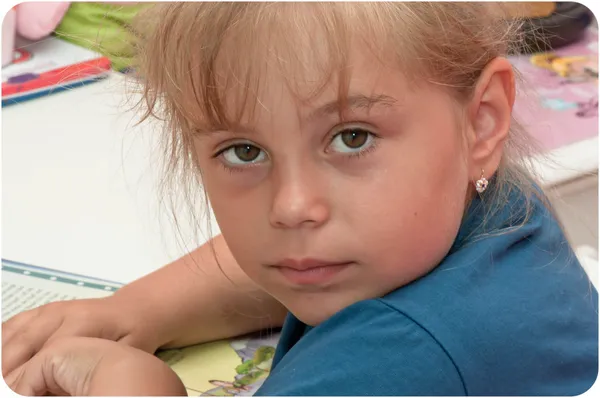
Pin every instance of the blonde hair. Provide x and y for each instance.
(190, 54)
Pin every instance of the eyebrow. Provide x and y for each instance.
(356, 101)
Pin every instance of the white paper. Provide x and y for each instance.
(25, 287)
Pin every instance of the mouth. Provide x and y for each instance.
(310, 271)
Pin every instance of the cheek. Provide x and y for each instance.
(410, 237)
(236, 216)
(417, 204)
(442, 188)
(419, 208)
(241, 218)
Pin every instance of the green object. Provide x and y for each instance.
(103, 28)
(245, 367)
(262, 355)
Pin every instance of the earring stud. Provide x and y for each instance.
(481, 184)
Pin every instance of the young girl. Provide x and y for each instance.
(366, 174)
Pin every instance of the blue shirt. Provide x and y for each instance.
(508, 314)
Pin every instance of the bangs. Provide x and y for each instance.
(217, 57)
(204, 66)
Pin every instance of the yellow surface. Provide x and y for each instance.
(198, 364)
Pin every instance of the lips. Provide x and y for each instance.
(306, 263)
(310, 271)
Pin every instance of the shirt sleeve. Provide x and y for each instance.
(366, 349)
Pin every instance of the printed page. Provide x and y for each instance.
(25, 287)
(235, 367)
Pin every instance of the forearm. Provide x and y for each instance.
(194, 300)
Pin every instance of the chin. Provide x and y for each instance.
(311, 318)
(313, 308)
(313, 315)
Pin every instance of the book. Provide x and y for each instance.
(49, 66)
(233, 367)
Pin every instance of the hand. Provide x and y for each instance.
(109, 318)
(82, 366)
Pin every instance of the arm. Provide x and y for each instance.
(193, 300)
(188, 301)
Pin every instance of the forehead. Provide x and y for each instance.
(314, 78)
(311, 52)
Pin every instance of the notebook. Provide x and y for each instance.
(49, 66)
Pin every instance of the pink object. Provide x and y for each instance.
(36, 20)
(559, 111)
(33, 21)
(8, 36)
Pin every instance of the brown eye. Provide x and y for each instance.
(246, 152)
(352, 140)
(241, 154)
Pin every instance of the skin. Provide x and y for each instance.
(84, 366)
(391, 213)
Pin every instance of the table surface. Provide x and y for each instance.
(80, 185)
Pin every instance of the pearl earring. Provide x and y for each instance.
(481, 184)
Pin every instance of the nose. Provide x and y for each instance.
(299, 201)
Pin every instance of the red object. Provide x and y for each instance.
(56, 77)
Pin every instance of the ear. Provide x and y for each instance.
(489, 114)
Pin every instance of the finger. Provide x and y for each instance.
(16, 355)
(34, 378)
(132, 341)
(11, 378)
(10, 329)
(14, 380)
(14, 324)
(27, 342)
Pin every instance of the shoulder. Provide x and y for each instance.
(495, 302)
(368, 348)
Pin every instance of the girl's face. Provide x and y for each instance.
(322, 213)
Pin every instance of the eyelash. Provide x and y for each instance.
(350, 156)
(232, 170)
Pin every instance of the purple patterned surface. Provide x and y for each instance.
(559, 110)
